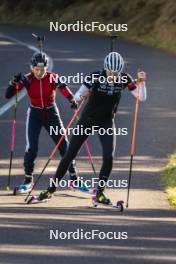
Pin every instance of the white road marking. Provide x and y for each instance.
(22, 93)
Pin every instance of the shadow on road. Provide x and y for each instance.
(25, 235)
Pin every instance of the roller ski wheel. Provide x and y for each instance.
(15, 190)
(22, 189)
(119, 205)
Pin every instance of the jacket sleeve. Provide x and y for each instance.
(133, 87)
(10, 91)
(65, 91)
(142, 92)
(83, 91)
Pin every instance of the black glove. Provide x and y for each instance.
(17, 78)
(73, 104)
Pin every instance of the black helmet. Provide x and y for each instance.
(39, 59)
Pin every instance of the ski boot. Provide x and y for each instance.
(25, 187)
(44, 196)
(79, 185)
(99, 198)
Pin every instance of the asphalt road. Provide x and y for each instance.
(149, 221)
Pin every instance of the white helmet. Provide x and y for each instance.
(114, 62)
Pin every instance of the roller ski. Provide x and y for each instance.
(43, 197)
(24, 188)
(78, 185)
(101, 200)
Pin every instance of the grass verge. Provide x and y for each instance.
(168, 178)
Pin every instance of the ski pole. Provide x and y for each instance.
(112, 42)
(12, 147)
(90, 158)
(89, 154)
(40, 41)
(133, 142)
(112, 38)
(56, 148)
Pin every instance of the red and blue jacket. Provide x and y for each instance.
(42, 93)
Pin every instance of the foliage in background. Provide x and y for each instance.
(168, 177)
(149, 22)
